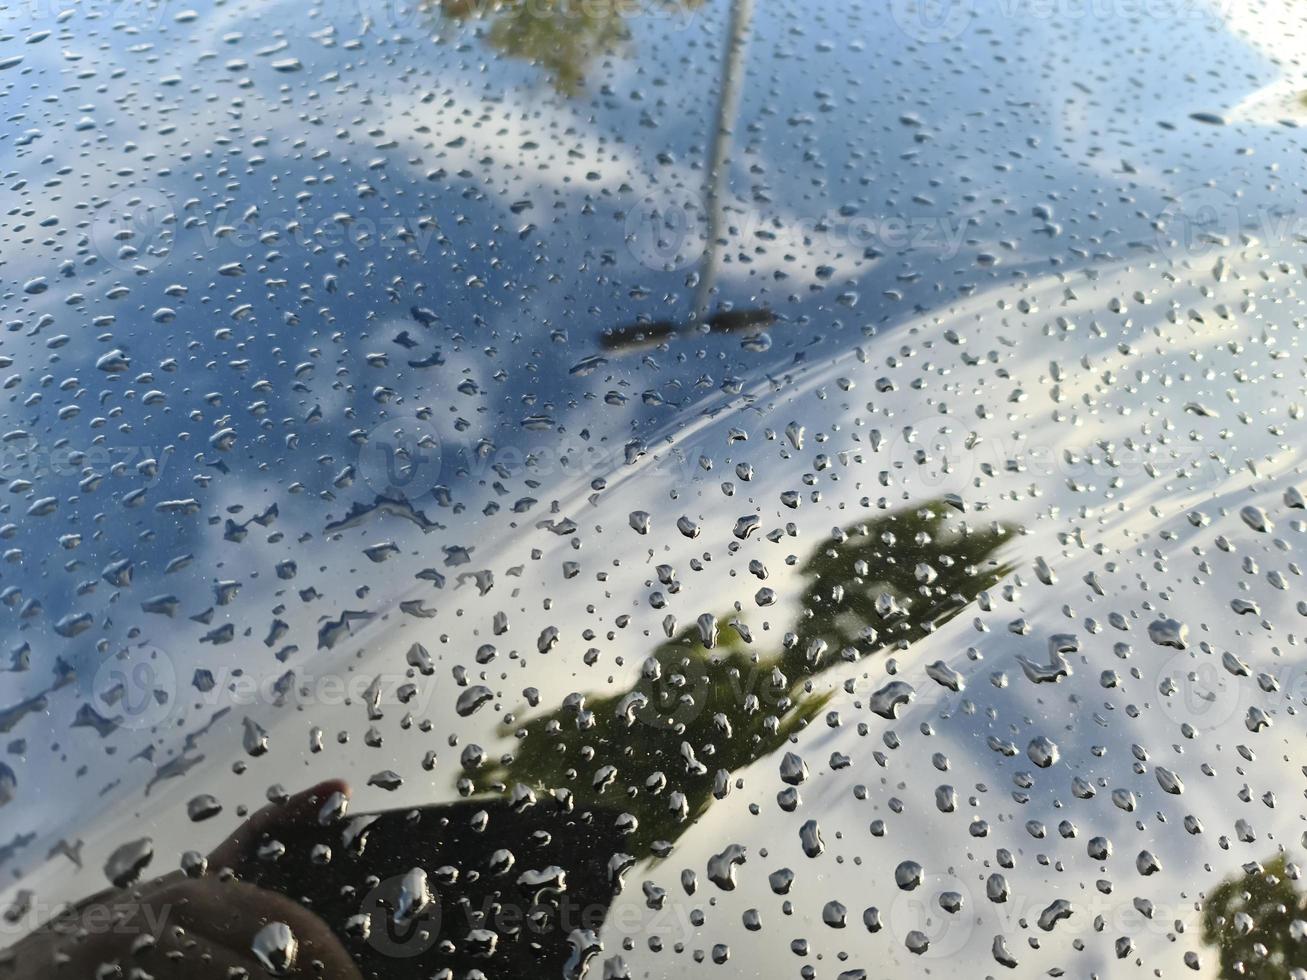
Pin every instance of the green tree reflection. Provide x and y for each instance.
(663, 750)
(562, 37)
(1250, 918)
(894, 580)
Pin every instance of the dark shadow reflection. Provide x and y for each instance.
(663, 750)
(520, 878)
(1256, 921)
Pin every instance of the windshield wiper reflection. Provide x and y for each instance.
(640, 336)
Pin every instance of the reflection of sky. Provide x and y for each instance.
(918, 144)
(1076, 713)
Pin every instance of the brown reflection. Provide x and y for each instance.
(1257, 923)
(214, 921)
(304, 889)
(562, 37)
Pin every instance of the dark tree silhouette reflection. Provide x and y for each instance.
(615, 780)
(562, 37)
(893, 581)
(1258, 922)
(662, 751)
